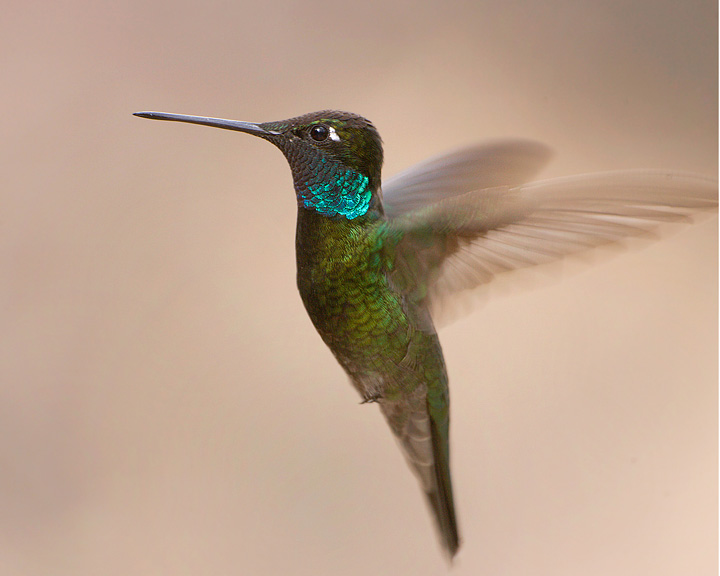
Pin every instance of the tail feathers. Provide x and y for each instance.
(441, 496)
(425, 444)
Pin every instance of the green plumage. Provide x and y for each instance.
(374, 265)
(366, 298)
(383, 340)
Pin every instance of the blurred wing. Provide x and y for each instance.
(464, 241)
(487, 165)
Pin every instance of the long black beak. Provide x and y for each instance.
(247, 127)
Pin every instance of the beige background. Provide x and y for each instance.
(165, 405)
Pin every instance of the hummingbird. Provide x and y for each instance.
(376, 261)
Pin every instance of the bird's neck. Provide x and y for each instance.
(320, 239)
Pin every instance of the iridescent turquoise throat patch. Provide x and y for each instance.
(337, 191)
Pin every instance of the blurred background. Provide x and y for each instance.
(166, 407)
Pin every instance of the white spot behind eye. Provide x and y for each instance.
(333, 134)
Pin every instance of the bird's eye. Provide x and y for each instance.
(319, 132)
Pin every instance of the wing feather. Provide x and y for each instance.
(478, 167)
(462, 241)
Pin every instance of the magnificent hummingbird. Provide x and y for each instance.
(376, 262)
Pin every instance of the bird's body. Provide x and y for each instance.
(384, 341)
(372, 272)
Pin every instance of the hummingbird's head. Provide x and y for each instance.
(335, 157)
